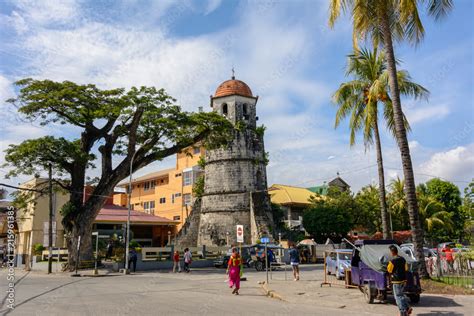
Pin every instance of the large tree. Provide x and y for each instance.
(112, 126)
(360, 99)
(385, 22)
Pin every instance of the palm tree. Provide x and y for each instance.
(360, 98)
(433, 214)
(384, 21)
(398, 201)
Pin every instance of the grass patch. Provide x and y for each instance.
(439, 287)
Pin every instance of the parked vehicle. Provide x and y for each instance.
(338, 262)
(369, 271)
(253, 256)
(247, 252)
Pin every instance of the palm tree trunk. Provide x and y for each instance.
(382, 194)
(410, 189)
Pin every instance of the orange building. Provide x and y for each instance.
(166, 193)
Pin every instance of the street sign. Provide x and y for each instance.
(240, 233)
(265, 240)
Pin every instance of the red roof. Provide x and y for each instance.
(118, 214)
(231, 87)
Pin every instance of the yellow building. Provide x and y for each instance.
(293, 200)
(33, 225)
(166, 193)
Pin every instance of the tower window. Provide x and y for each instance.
(224, 109)
(245, 111)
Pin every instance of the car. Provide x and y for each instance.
(409, 251)
(222, 261)
(338, 262)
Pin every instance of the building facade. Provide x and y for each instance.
(166, 193)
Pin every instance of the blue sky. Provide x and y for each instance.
(283, 50)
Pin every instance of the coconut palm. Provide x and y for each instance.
(383, 22)
(433, 213)
(360, 99)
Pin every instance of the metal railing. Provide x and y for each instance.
(458, 271)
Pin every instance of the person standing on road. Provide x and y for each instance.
(295, 261)
(188, 258)
(133, 257)
(176, 262)
(234, 267)
(110, 249)
(398, 267)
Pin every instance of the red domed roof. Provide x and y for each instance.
(231, 87)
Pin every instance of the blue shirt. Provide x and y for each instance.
(294, 255)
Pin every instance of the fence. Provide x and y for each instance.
(337, 268)
(458, 271)
(164, 253)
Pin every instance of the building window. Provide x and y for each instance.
(177, 175)
(149, 207)
(196, 150)
(186, 199)
(162, 200)
(176, 218)
(177, 194)
(224, 109)
(245, 111)
(187, 178)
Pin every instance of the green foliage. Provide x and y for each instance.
(367, 212)
(330, 218)
(134, 244)
(279, 216)
(38, 249)
(202, 162)
(240, 126)
(260, 130)
(198, 187)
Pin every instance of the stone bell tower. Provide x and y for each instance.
(235, 189)
(235, 176)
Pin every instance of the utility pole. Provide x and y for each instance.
(50, 226)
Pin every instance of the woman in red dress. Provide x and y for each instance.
(233, 270)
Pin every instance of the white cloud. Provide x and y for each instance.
(212, 5)
(454, 165)
(6, 89)
(427, 113)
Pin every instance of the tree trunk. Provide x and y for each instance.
(382, 193)
(402, 141)
(83, 229)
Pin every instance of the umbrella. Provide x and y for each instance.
(307, 242)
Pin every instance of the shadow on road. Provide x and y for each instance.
(437, 301)
(435, 313)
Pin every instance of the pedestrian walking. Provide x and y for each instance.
(398, 267)
(110, 250)
(188, 259)
(133, 257)
(176, 263)
(295, 261)
(234, 270)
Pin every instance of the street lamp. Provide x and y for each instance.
(127, 241)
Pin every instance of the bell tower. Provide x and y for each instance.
(235, 190)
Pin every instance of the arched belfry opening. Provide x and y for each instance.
(225, 109)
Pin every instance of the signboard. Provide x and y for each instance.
(264, 240)
(46, 234)
(240, 233)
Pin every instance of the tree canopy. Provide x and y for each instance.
(112, 128)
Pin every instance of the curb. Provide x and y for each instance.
(271, 293)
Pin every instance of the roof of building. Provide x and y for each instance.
(148, 176)
(320, 189)
(286, 194)
(338, 181)
(231, 87)
(119, 214)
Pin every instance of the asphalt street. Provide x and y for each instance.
(202, 292)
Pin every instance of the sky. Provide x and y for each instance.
(285, 52)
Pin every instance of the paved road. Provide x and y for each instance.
(203, 292)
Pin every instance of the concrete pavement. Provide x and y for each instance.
(203, 292)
